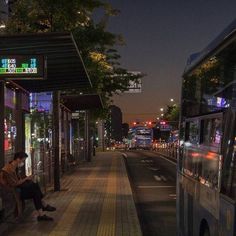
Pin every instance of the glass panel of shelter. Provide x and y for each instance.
(10, 131)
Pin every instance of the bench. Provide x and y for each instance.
(12, 206)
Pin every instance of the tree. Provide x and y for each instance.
(172, 115)
(96, 44)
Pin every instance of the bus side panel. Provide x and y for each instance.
(191, 211)
(209, 208)
(227, 215)
(202, 215)
(180, 205)
(185, 206)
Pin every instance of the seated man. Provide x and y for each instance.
(25, 186)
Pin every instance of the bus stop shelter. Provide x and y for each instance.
(65, 71)
(84, 102)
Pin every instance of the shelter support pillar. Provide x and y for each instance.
(87, 137)
(78, 147)
(56, 139)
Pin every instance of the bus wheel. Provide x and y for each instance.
(204, 231)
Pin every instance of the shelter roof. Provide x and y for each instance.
(82, 102)
(65, 67)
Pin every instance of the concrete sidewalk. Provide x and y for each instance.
(96, 199)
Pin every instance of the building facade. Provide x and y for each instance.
(116, 123)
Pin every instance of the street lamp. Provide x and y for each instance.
(171, 99)
(161, 109)
(162, 114)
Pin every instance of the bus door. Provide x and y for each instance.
(209, 171)
(189, 168)
(227, 226)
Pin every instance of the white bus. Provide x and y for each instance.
(140, 138)
(206, 179)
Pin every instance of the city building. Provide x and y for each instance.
(125, 130)
(115, 123)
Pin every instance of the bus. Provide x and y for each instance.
(162, 131)
(140, 138)
(206, 171)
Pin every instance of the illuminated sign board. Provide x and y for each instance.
(75, 115)
(22, 67)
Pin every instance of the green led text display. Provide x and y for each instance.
(21, 66)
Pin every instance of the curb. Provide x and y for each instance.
(168, 157)
(138, 212)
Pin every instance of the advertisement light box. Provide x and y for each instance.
(22, 67)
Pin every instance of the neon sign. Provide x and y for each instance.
(22, 67)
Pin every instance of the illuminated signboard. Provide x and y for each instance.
(22, 67)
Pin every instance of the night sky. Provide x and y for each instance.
(159, 36)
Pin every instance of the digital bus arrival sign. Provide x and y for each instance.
(22, 67)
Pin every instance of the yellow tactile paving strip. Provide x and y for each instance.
(108, 216)
(98, 202)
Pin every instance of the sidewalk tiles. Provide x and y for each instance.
(96, 200)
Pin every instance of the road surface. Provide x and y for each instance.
(153, 179)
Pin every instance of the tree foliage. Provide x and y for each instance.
(96, 44)
(172, 115)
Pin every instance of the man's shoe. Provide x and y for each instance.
(49, 208)
(44, 218)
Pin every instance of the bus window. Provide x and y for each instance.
(193, 132)
(233, 183)
(191, 139)
(212, 133)
(186, 136)
(229, 179)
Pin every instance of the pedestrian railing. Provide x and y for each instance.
(167, 149)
